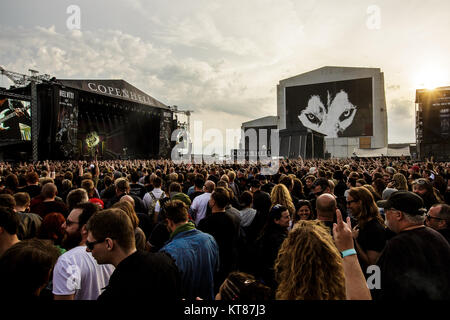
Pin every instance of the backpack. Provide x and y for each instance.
(155, 207)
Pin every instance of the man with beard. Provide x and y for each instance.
(76, 275)
(414, 263)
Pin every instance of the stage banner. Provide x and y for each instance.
(335, 109)
(67, 123)
(119, 89)
(15, 120)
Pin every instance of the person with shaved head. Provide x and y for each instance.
(326, 209)
(200, 204)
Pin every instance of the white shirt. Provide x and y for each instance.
(148, 200)
(199, 206)
(77, 272)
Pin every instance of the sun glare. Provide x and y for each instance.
(432, 77)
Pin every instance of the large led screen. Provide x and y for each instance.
(15, 119)
(335, 109)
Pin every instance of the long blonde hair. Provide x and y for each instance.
(309, 266)
(280, 195)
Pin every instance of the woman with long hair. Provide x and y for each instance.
(369, 232)
(280, 195)
(309, 266)
(399, 182)
(297, 191)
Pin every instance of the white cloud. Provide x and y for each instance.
(401, 121)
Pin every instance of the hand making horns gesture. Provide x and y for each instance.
(342, 233)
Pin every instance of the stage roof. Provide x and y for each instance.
(379, 152)
(119, 89)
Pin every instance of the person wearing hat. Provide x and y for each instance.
(414, 263)
(385, 195)
(425, 190)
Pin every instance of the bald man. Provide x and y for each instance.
(326, 209)
(200, 204)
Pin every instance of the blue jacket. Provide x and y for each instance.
(196, 255)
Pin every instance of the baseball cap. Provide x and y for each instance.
(405, 201)
(98, 202)
(387, 193)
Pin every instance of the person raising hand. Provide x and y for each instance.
(355, 283)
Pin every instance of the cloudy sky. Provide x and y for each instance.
(223, 59)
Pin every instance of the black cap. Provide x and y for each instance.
(405, 201)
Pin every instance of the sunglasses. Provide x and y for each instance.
(420, 181)
(90, 245)
(348, 202)
(428, 217)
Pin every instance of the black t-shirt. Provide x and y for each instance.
(267, 248)
(445, 233)
(144, 276)
(372, 236)
(222, 227)
(414, 265)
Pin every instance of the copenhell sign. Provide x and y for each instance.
(114, 88)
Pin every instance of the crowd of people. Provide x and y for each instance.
(155, 229)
